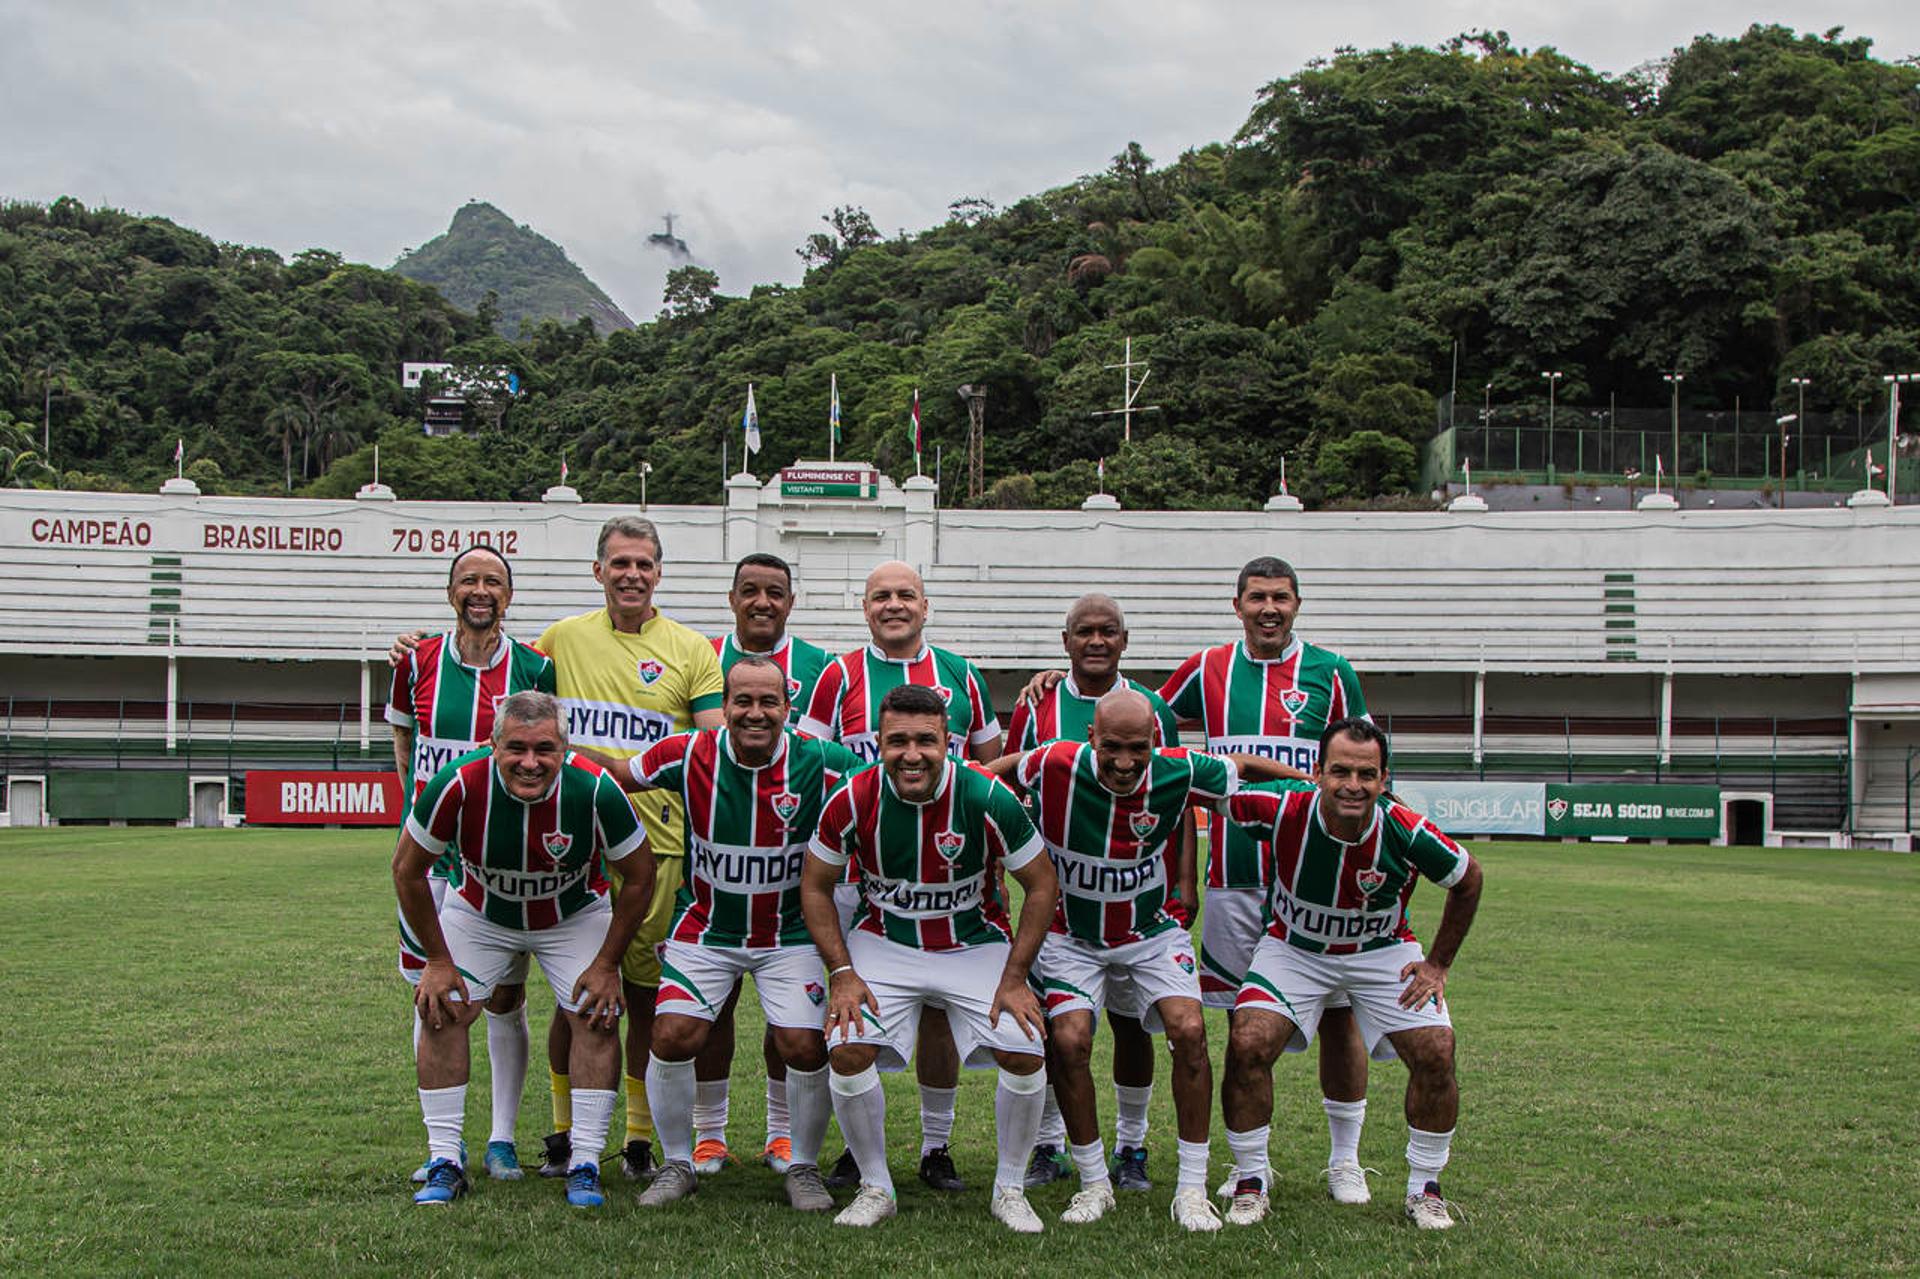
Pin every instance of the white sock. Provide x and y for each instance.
(1426, 1156)
(1193, 1166)
(1130, 1115)
(710, 1110)
(936, 1117)
(1053, 1125)
(507, 1049)
(860, 1104)
(592, 1116)
(444, 1110)
(1016, 1118)
(779, 1120)
(1091, 1160)
(1344, 1121)
(670, 1092)
(1250, 1153)
(812, 1107)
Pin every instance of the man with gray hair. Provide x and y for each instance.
(528, 822)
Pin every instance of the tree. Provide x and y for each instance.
(689, 291)
(1365, 464)
(314, 387)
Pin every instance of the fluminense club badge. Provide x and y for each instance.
(949, 843)
(1556, 808)
(1185, 961)
(1295, 700)
(1370, 880)
(945, 694)
(816, 993)
(556, 843)
(785, 805)
(1142, 823)
(651, 669)
(793, 690)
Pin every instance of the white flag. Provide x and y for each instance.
(750, 423)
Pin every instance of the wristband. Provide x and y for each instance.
(844, 968)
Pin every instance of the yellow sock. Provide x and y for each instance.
(562, 1101)
(639, 1116)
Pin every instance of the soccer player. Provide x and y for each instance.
(845, 708)
(752, 793)
(629, 676)
(761, 599)
(1107, 809)
(1341, 865)
(440, 706)
(529, 823)
(1095, 637)
(926, 831)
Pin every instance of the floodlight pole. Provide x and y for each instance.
(1553, 381)
(1784, 422)
(1674, 379)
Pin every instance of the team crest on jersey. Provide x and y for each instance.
(793, 689)
(556, 843)
(651, 669)
(949, 843)
(944, 693)
(1185, 961)
(785, 805)
(1142, 823)
(1556, 808)
(1370, 880)
(1295, 700)
(816, 993)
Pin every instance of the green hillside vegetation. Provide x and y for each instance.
(1747, 209)
(485, 261)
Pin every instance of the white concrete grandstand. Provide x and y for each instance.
(1764, 650)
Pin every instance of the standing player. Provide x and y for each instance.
(752, 792)
(761, 600)
(1342, 863)
(629, 677)
(845, 708)
(1272, 694)
(442, 703)
(1095, 638)
(529, 823)
(926, 831)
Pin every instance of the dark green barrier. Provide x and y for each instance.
(123, 795)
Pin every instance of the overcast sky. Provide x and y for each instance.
(360, 127)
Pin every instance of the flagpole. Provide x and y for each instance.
(916, 432)
(833, 417)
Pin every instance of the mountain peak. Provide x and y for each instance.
(485, 250)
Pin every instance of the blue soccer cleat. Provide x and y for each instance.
(446, 1182)
(503, 1161)
(583, 1187)
(420, 1173)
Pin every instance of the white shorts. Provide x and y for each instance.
(1231, 926)
(695, 981)
(846, 900)
(1297, 984)
(487, 955)
(1130, 979)
(905, 980)
(413, 956)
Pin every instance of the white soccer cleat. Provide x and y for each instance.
(1194, 1211)
(870, 1207)
(1249, 1204)
(1011, 1209)
(1347, 1183)
(1089, 1205)
(1429, 1210)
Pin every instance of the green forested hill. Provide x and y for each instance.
(530, 277)
(1747, 210)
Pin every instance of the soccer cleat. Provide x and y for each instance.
(779, 1154)
(869, 1208)
(636, 1160)
(583, 1186)
(674, 1182)
(1089, 1205)
(1429, 1210)
(845, 1174)
(503, 1161)
(447, 1181)
(1347, 1183)
(1194, 1211)
(1249, 1202)
(710, 1156)
(805, 1191)
(420, 1173)
(1048, 1165)
(559, 1154)
(1009, 1206)
(1130, 1169)
(937, 1170)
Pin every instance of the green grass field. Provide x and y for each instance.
(1673, 1060)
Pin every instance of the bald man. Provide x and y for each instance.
(845, 708)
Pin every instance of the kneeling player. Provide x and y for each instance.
(925, 830)
(1342, 867)
(529, 823)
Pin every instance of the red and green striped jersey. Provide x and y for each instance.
(525, 865)
(1064, 713)
(449, 705)
(1276, 709)
(845, 706)
(1110, 850)
(926, 869)
(798, 660)
(747, 832)
(1333, 898)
